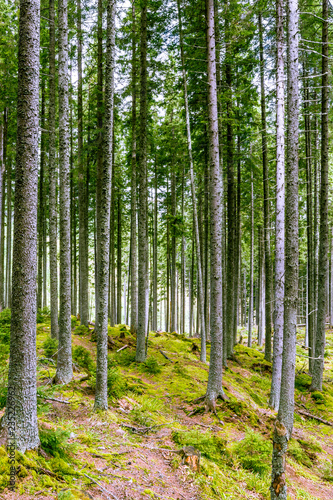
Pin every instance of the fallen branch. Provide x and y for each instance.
(101, 487)
(144, 430)
(166, 357)
(309, 415)
(124, 347)
(53, 399)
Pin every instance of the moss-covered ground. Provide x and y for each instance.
(124, 452)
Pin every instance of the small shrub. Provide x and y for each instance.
(328, 472)
(117, 384)
(81, 330)
(151, 366)
(50, 347)
(302, 382)
(296, 451)
(318, 397)
(73, 321)
(180, 370)
(254, 453)
(125, 357)
(210, 445)
(5, 319)
(55, 442)
(83, 358)
(43, 315)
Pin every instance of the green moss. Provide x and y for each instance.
(43, 315)
(73, 321)
(50, 347)
(254, 452)
(211, 446)
(302, 382)
(151, 366)
(55, 442)
(298, 453)
(83, 358)
(318, 397)
(5, 319)
(81, 330)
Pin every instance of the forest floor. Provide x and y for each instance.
(128, 452)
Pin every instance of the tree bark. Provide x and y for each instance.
(143, 272)
(22, 387)
(103, 216)
(82, 174)
(249, 336)
(279, 220)
(285, 419)
(318, 365)
(267, 247)
(53, 248)
(64, 372)
(41, 203)
(134, 260)
(214, 387)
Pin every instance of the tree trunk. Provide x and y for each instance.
(267, 248)
(119, 257)
(318, 365)
(53, 248)
(250, 318)
(22, 387)
(64, 372)
(134, 260)
(285, 419)
(103, 216)
(41, 203)
(143, 272)
(82, 174)
(1, 212)
(155, 277)
(9, 236)
(214, 387)
(279, 220)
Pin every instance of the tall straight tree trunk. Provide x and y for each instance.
(41, 203)
(134, 260)
(143, 272)
(3, 200)
(64, 372)
(103, 216)
(261, 287)
(112, 301)
(155, 277)
(318, 365)
(214, 387)
(249, 337)
(82, 174)
(173, 247)
(231, 215)
(200, 288)
(267, 248)
(1, 214)
(274, 399)
(53, 250)
(119, 257)
(22, 387)
(167, 316)
(285, 419)
(183, 267)
(9, 236)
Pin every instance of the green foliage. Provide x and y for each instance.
(43, 315)
(82, 357)
(5, 318)
(298, 453)
(125, 357)
(151, 366)
(328, 472)
(117, 384)
(81, 330)
(318, 397)
(302, 382)
(50, 347)
(210, 445)
(254, 452)
(55, 443)
(73, 321)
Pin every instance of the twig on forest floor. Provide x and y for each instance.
(309, 415)
(124, 347)
(166, 357)
(53, 399)
(101, 487)
(144, 430)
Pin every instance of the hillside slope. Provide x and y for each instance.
(124, 453)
